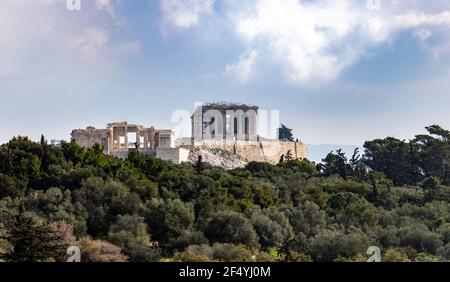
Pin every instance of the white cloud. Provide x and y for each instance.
(317, 40)
(422, 34)
(108, 6)
(90, 42)
(185, 14)
(243, 69)
(44, 32)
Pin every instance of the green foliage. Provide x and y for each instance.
(396, 196)
(272, 227)
(30, 239)
(331, 244)
(168, 219)
(336, 164)
(285, 133)
(130, 233)
(231, 227)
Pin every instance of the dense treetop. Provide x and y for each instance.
(395, 195)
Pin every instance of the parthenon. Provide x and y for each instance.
(225, 121)
(234, 127)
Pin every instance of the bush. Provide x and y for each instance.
(231, 227)
(328, 245)
(100, 251)
(232, 253)
(271, 226)
(307, 218)
(444, 252)
(420, 238)
(394, 255)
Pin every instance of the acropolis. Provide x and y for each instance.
(224, 126)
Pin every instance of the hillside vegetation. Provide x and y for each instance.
(394, 195)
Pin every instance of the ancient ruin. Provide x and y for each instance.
(229, 127)
(119, 137)
(234, 127)
(225, 121)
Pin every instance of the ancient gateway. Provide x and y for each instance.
(226, 126)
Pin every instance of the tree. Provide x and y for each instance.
(199, 165)
(130, 233)
(270, 233)
(328, 245)
(336, 164)
(359, 170)
(307, 218)
(43, 140)
(31, 240)
(231, 227)
(392, 157)
(285, 133)
(433, 153)
(420, 238)
(168, 219)
(11, 186)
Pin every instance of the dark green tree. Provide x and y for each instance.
(231, 227)
(336, 164)
(285, 133)
(199, 165)
(392, 157)
(43, 140)
(358, 168)
(31, 240)
(433, 153)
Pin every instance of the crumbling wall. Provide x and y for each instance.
(174, 155)
(89, 137)
(123, 154)
(262, 151)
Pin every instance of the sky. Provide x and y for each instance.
(338, 72)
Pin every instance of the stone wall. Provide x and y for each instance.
(174, 155)
(262, 151)
(123, 154)
(89, 137)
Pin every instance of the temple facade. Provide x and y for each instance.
(234, 127)
(119, 138)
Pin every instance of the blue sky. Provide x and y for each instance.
(339, 72)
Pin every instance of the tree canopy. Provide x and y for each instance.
(395, 195)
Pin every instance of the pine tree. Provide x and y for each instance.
(199, 165)
(285, 133)
(30, 240)
(43, 141)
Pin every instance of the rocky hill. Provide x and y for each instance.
(218, 157)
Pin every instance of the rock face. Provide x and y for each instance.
(261, 151)
(218, 157)
(238, 154)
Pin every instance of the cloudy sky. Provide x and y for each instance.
(339, 72)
